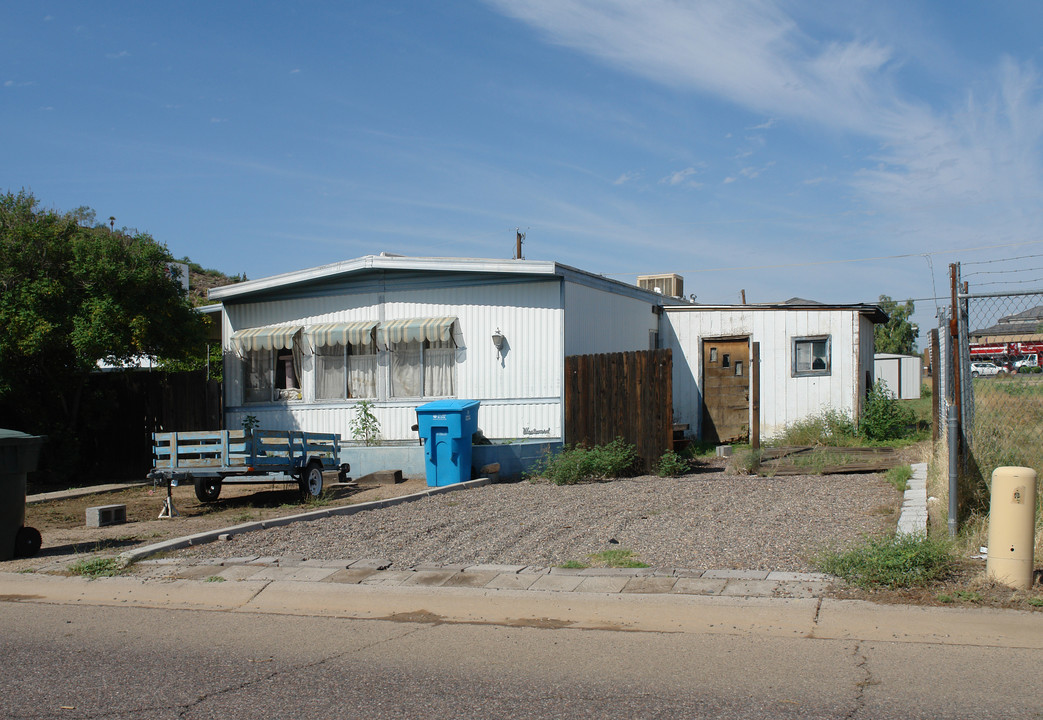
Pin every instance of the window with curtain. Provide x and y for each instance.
(423, 369)
(811, 356)
(270, 375)
(345, 371)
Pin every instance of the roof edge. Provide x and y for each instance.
(873, 312)
(382, 262)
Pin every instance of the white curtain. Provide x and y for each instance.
(259, 372)
(330, 373)
(362, 375)
(406, 371)
(439, 364)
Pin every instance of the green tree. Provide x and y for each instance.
(898, 334)
(70, 295)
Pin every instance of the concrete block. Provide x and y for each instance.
(350, 577)
(650, 585)
(470, 579)
(512, 581)
(603, 584)
(496, 568)
(724, 451)
(750, 588)
(736, 574)
(557, 583)
(381, 477)
(430, 578)
(104, 515)
(699, 586)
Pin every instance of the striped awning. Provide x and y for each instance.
(359, 332)
(265, 338)
(437, 329)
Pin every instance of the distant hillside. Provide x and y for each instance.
(201, 279)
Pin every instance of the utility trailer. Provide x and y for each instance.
(210, 459)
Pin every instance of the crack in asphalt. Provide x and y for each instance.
(814, 621)
(860, 687)
(187, 708)
(184, 709)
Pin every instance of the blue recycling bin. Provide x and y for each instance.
(446, 427)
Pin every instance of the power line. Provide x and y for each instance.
(990, 262)
(839, 262)
(1001, 272)
(1007, 282)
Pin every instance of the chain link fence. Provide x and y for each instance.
(996, 371)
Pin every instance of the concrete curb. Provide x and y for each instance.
(913, 518)
(210, 535)
(82, 492)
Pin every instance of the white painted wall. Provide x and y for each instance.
(902, 373)
(784, 399)
(598, 321)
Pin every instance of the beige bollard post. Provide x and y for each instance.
(1012, 527)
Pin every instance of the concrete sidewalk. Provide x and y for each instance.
(380, 573)
(812, 618)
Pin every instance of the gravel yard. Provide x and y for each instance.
(709, 520)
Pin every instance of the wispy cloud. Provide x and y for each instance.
(973, 165)
(117, 55)
(767, 125)
(626, 177)
(683, 177)
(753, 172)
(751, 53)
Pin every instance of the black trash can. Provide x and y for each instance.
(19, 455)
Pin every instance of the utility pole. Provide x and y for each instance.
(956, 411)
(519, 236)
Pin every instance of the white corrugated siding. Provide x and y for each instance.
(520, 391)
(598, 321)
(902, 373)
(784, 399)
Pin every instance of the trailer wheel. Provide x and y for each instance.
(311, 480)
(207, 489)
(27, 542)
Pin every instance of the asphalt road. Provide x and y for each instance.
(80, 661)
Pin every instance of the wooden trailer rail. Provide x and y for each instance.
(230, 450)
(210, 458)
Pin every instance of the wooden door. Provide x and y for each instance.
(726, 390)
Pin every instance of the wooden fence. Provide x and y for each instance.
(125, 408)
(627, 395)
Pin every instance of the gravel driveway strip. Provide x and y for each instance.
(707, 520)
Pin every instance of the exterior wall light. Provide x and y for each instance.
(498, 341)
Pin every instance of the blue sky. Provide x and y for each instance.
(831, 151)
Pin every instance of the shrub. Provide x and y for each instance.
(671, 465)
(621, 558)
(892, 562)
(744, 461)
(883, 416)
(830, 427)
(94, 568)
(899, 477)
(579, 464)
(365, 428)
